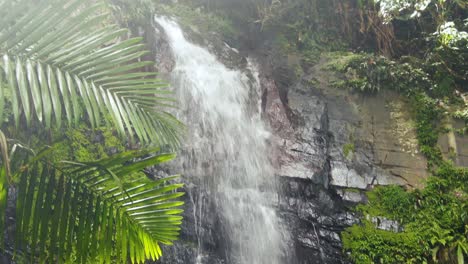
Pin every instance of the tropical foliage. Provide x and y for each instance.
(434, 222)
(64, 65)
(55, 52)
(85, 213)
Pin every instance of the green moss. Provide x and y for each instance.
(83, 144)
(88, 145)
(352, 190)
(348, 149)
(112, 143)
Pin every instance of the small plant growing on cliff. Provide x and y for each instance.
(348, 149)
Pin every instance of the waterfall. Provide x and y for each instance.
(226, 148)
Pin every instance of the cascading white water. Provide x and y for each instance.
(227, 146)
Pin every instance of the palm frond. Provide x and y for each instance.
(82, 214)
(62, 62)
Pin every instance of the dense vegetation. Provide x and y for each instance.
(80, 120)
(418, 48)
(433, 222)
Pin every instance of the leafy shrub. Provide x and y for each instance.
(370, 245)
(434, 221)
(427, 114)
(369, 73)
(392, 202)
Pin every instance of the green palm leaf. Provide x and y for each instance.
(82, 213)
(63, 63)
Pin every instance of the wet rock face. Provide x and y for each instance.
(304, 144)
(313, 214)
(316, 217)
(330, 147)
(329, 144)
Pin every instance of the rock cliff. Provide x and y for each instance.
(329, 146)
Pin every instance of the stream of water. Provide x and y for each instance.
(228, 150)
